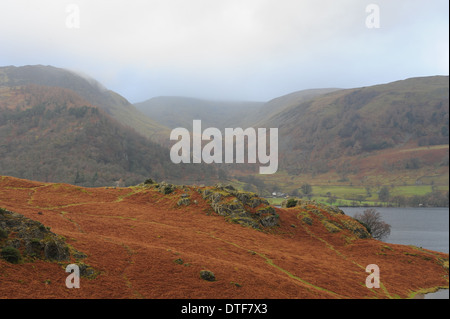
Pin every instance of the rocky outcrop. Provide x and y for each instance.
(323, 212)
(244, 208)
(165, 188)
(32, 240)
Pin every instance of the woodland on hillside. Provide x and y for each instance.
(53, 135)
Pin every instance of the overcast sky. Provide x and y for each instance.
(228, 49)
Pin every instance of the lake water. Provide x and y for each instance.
(422, 227)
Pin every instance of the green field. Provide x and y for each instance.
(361, 196)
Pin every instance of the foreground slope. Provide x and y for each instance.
(147, 242)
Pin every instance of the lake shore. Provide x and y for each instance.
(412, 226)
(437, 293)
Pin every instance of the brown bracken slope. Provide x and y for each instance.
(133, 236)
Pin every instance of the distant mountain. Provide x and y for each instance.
(52, 134)
(181, 111)
(394, 133)
(385, 133)
(175, 111)
(342, 130)
(279, 104)
(90, 90)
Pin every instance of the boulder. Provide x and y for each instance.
(56, 250)
(184, 202)
(207, 275)
(269, 221)
(165, 188)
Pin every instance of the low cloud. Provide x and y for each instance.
(252, 49)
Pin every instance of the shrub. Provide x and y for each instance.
(168, 189)
(149, 181)
(291, 203)
(11, 254)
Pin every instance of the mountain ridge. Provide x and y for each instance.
(88, 88)
(362, 136)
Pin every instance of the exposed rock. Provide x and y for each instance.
(237, 206)
(184, 202)
(266, 210)
(225, 187)
(87, 271)
(269, 221)
(55, 249)
(165, 188)
(245, 221)
(33, 239)
(226, 209)
(179, 261)
(207, 275)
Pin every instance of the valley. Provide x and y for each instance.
(348, 144)
(223, 158)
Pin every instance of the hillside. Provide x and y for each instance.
(52, 134)
(90, 90)
(390, 134)
(394, 134)
(364, 120)
(282, 103)
(173, 111)
(176, 112)
(147, 242)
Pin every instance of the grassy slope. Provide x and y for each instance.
(401, 182)
(133, 236)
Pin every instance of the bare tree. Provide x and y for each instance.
(375, 225)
